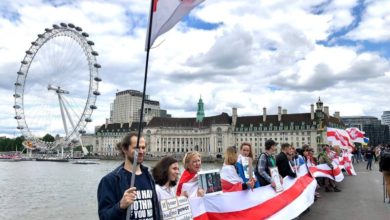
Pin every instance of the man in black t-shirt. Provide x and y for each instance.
(114, 192)
(283, 163)
(369, 155)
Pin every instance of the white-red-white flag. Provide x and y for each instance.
(356, 135)
(340, 138)
(167, 13)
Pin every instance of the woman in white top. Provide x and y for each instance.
(165, 174)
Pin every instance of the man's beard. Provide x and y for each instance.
(131, 160)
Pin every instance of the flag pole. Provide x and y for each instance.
(134, 168)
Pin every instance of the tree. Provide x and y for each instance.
(18, 143)
(8, 144)
(48, 138)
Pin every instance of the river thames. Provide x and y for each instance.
(51, 190)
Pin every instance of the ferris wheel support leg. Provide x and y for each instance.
(62, 114)
(83, 148)
(67, 113)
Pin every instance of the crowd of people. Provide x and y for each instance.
(367, 154)
(237, 173)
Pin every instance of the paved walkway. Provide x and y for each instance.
(361, 198)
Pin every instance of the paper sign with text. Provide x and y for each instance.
(176, 208)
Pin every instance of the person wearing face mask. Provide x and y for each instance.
(188, 183)
(165, 174)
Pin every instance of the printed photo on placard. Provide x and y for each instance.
(210, 181)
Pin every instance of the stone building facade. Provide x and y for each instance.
(212, 135)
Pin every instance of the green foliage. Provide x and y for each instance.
(78, 148)
(48, 138)
(8, 144)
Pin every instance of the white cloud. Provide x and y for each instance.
(375, 22)
(263, 54)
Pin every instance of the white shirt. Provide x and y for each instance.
(164, 192)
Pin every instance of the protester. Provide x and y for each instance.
(188, 183)
(114, 193)
(359, 155)
(283, 163)
(326, 156)
(230, 179)
(377, 152)
(244, 158)
(354, 155)
(299, 158)
(363, 152)
(384, 167)
(165, 174)
(265, 162)
(305, 152)
(311, 160)
(369, 155)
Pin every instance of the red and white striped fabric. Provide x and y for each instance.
(188, 183)
(261, 203)
(340, 138)
(356, 135)
(323, 170)
(345, 162)
(230, 180)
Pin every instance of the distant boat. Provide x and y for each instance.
(10, 158)
(85, 162)
(27, 159)
(53, 159)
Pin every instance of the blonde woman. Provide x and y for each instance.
(188, 183)
(230, 180)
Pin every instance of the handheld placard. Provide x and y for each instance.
(276, 178)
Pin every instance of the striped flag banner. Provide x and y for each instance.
(345, 162)
(261, 203)
(356, 134)
(323, 170)
(339, 137)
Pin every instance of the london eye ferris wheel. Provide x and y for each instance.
(56, 87)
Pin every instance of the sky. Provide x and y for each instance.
(247, 54)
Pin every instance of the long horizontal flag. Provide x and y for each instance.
(340, 138)
(356, 135)
(323, 170)
(166, 14)
(261, 203)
